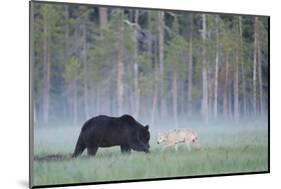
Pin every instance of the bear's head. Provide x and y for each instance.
(144, 137)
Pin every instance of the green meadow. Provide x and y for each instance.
(233, 149)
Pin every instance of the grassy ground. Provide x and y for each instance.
(227, 150)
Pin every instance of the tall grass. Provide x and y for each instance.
(225, 150)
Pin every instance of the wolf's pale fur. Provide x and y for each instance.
(176, 136)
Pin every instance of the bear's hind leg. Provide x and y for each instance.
(92, 151)
(125, 149)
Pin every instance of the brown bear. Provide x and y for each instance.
(106, 131)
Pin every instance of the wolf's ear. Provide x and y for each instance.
(147, 127)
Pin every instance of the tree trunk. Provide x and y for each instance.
(260, 73)
(136, 70)
(136, 89)
(68, 106)
(204, 108)
(244, 90)
(103, 20)
(216, 70)
(85, 70)
(211, 92)
(156, 82)
(225, 87)
(66, 34)
(103, 16)
(236, 87)
(181, 94)
(254, 68)
(161, 60)
(175, 98)
(120, 69)
(75, 103)
(154, 104)
(242, 67)
(230, 114)
(33, 102)
(46, 71)
(98, 100)
(34, 112)
(190, 66)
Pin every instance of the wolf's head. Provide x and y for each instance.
(161, 137)
(194, 139)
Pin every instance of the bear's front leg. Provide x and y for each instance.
(125, 149)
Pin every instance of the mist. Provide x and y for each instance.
(168, 69)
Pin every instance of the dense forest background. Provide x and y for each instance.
(154, 65)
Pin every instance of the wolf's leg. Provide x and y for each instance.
(176, 147)
(188, 146)
(198, 145)
(167, 146)
(164, 148)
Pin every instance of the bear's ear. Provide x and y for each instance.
(147, 127)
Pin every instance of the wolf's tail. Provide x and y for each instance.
(80, 147)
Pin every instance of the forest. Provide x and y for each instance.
(156, 65)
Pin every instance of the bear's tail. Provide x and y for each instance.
(80, 147)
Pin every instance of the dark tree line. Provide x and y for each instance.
(154, 65)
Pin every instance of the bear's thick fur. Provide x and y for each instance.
(105, 131)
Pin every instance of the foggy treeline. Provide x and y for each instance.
(89, 60)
